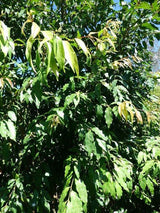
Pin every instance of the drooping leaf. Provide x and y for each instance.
(142, 183)
(75, 205)
(59, 52)
(29, 45)
(22, 29)
(62, 203)
(150, 186)
(76, 170)
(81, 189)
(51, 66)
(71, 57)
(82, 45)
(35, 29)
(139, 117)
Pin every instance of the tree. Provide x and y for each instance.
(74, 128)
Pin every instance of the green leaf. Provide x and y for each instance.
(149, 26)
(12, 116)
(49, 55)
(35, 29)
(82, 45)
(51, 62)
(142, 183)
(69, 99)
(121, 177)
(38, 59)
(109, 188)
(76, 170)
(108, 116)
(140, 157)
(102, 144)
(62, 204)
(99, 111)
(75, 205)
(143, 5)
(67, 168)
(89, 142)
(29, 45)
(53, 65)
(99, 133)
(148, 166)
(47, 205)
(118, 190)
(150, 186)
(12, 130)
(122, 183)
(71, 57)
(59, 52)
(81, 189)
(3, 129)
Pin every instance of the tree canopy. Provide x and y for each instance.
(75, 133)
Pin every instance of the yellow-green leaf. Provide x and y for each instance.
(29, 45)
(35, 29)
(48, 35)
(82, 45)
(139, 117)
(71, 57)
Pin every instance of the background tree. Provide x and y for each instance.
(74, 130)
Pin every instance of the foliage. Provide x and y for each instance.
(75, 134)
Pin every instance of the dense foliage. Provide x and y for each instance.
(75, 134)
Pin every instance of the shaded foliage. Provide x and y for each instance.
(75, 134)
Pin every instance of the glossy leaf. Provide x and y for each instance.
(71, 57)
